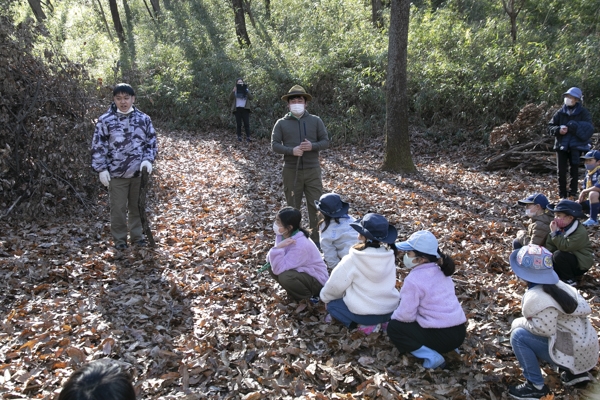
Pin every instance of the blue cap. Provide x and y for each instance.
(575, 92)
(422, 241)
(592, 154)
(536, 198)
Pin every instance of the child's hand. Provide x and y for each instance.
(582, 196)
(285, 243)
(553, 226)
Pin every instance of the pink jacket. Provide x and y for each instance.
(302, 256)
(427, 296)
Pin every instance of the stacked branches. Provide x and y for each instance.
(524, 144)
(45, 129)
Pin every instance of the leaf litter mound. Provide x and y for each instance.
(192, 319)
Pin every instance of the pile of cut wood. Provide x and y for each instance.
(524, 144)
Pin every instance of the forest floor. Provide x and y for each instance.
(192, 318)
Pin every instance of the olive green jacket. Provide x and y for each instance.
(574, 240)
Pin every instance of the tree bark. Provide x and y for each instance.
(397, 150)
(114, 12)
(105, 20)
(512, 9)
(36, 7)
(268, 9)
(377, 13)
(155, 6)
(240, 23)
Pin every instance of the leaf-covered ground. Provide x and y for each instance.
(192, 319)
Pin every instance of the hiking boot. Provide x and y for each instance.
(570, 379)
(590, 222)
(527, 391)
(368, 329)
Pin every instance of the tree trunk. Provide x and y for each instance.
(36, 7)
(397, 150)
(105, 20)
(114, 12)
(155, 6)
(268, 9)
(240, 23)
(377, 11)
(512, 9)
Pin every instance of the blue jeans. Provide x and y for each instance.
(529, 348)
(339, 310)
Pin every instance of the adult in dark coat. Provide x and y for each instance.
(572, 129)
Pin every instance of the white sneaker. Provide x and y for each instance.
(590, 222)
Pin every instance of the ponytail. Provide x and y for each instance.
(445, 262)
(564, 299)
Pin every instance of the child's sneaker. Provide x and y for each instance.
(526, 390)
(590, 222)
(570, 379)
(328, 319)
(384, 326)
(315, 300)
(368, 329)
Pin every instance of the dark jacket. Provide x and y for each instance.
(580, 131)
(249, 96)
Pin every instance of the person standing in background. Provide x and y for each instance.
(240, 98)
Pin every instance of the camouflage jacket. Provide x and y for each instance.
(121, 142)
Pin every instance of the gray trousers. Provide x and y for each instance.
(124, 195)
(308, 184)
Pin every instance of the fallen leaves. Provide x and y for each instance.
(192, 319)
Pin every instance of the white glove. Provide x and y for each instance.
(104, 177)
(146, 164)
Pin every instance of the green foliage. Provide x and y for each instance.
(465, 73)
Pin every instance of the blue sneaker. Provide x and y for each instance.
(590, 222)
(315, 300)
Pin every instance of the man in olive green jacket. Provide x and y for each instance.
(569, 242)
(299, 136)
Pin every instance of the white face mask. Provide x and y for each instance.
(409, 262)
(569, 102)
(277, 229)
(297, 109)
(530, 213)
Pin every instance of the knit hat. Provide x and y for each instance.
(533, 263)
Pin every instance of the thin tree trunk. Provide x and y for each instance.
(36, 7)
(397, 150)
(512, 9)
(149, 12)
(114, 12)
(105, 21)
(377, 11)
(240, 23)
(268, 9)
(155, 6)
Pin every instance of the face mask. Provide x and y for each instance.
(409, 262)
(530, 213)
(297, 109)
(277, 229)
(590, 167)
(569, 102)
(561, 222)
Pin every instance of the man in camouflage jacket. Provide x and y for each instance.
(124, 143)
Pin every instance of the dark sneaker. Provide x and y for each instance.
(141, 243)
(239, 138)
(315, 300)
(570, 379)
(248, 139)
(527, 391)
(121, 246)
